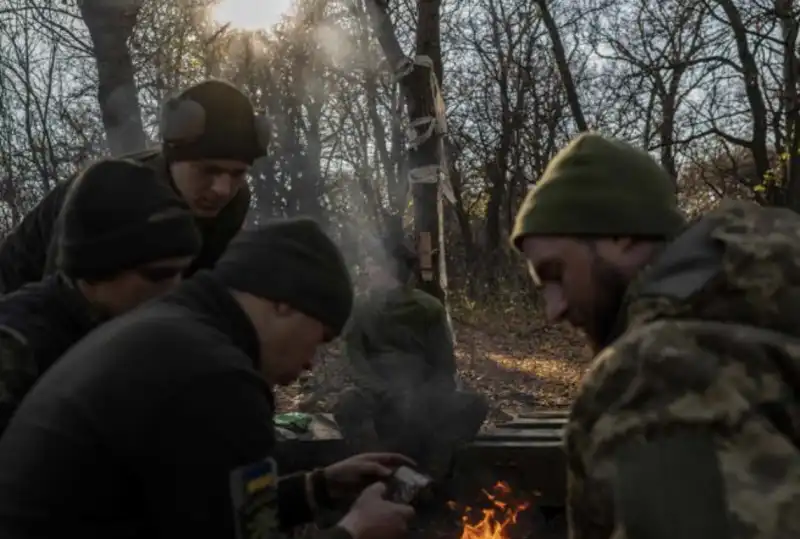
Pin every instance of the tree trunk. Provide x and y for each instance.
(110, 24)
(421, 95)
(791, 157)
(755, 98)
(564, 71)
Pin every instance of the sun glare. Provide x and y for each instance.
(250, 14)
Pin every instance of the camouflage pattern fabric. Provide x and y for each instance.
(710, 349)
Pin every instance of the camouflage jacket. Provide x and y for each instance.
(28, 252)
(400, 339)
(688, 425)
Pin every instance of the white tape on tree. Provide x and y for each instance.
(417, 139)
(428, 174)
(403, 69)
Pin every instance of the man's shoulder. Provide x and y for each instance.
(13, 345)
(160, 324)
(673, 373)
(46, 299)
(33, 291)
(172, 330)
(148, 156)
(149, 335)
(155, 349)
(428, 303)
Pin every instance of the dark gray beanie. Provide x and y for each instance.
(291, 261)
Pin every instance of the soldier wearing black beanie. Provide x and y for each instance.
(118, 216)
(212, 120)
(291, 261)
(126, 238)
(211, 135)
(174, 402)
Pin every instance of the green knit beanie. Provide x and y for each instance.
(600, 187)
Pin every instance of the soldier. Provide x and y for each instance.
(126, 237)
(159, 423)
(211, 137)
(400, 350)
(687, 423)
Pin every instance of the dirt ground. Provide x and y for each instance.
(519, 363)
(539, 368)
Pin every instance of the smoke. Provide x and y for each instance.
(361, 239)
(336, 45)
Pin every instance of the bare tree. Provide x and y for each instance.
(111, 24)
(660, 63)
(564, 68)
(357, 92)
(47, 129)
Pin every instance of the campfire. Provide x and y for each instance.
(497, 520)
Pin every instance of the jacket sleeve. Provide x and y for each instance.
(215, 427)
(588, 492)
(24, 251)
(18, 373)
(679, 426)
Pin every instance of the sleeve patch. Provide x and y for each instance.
(254, 495)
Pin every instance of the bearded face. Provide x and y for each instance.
(582, 282)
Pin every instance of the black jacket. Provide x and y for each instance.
(38, 323)
(136, 431)
(28, 252)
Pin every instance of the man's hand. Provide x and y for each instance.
(348, 477)
(374, 517)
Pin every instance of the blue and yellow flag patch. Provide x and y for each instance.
(254, 495)
(258, 476)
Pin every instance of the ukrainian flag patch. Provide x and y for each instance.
(254, 495)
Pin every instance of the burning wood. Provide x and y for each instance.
(497, 520)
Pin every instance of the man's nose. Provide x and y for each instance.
(222, 186)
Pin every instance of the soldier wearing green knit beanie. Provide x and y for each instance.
(596, 217)
(696, 331)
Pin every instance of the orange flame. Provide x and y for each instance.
(497, 519)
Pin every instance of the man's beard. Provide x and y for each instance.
(610, 286)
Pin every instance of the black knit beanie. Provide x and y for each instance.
(291, 261)
(212, 120)
(119, 215)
